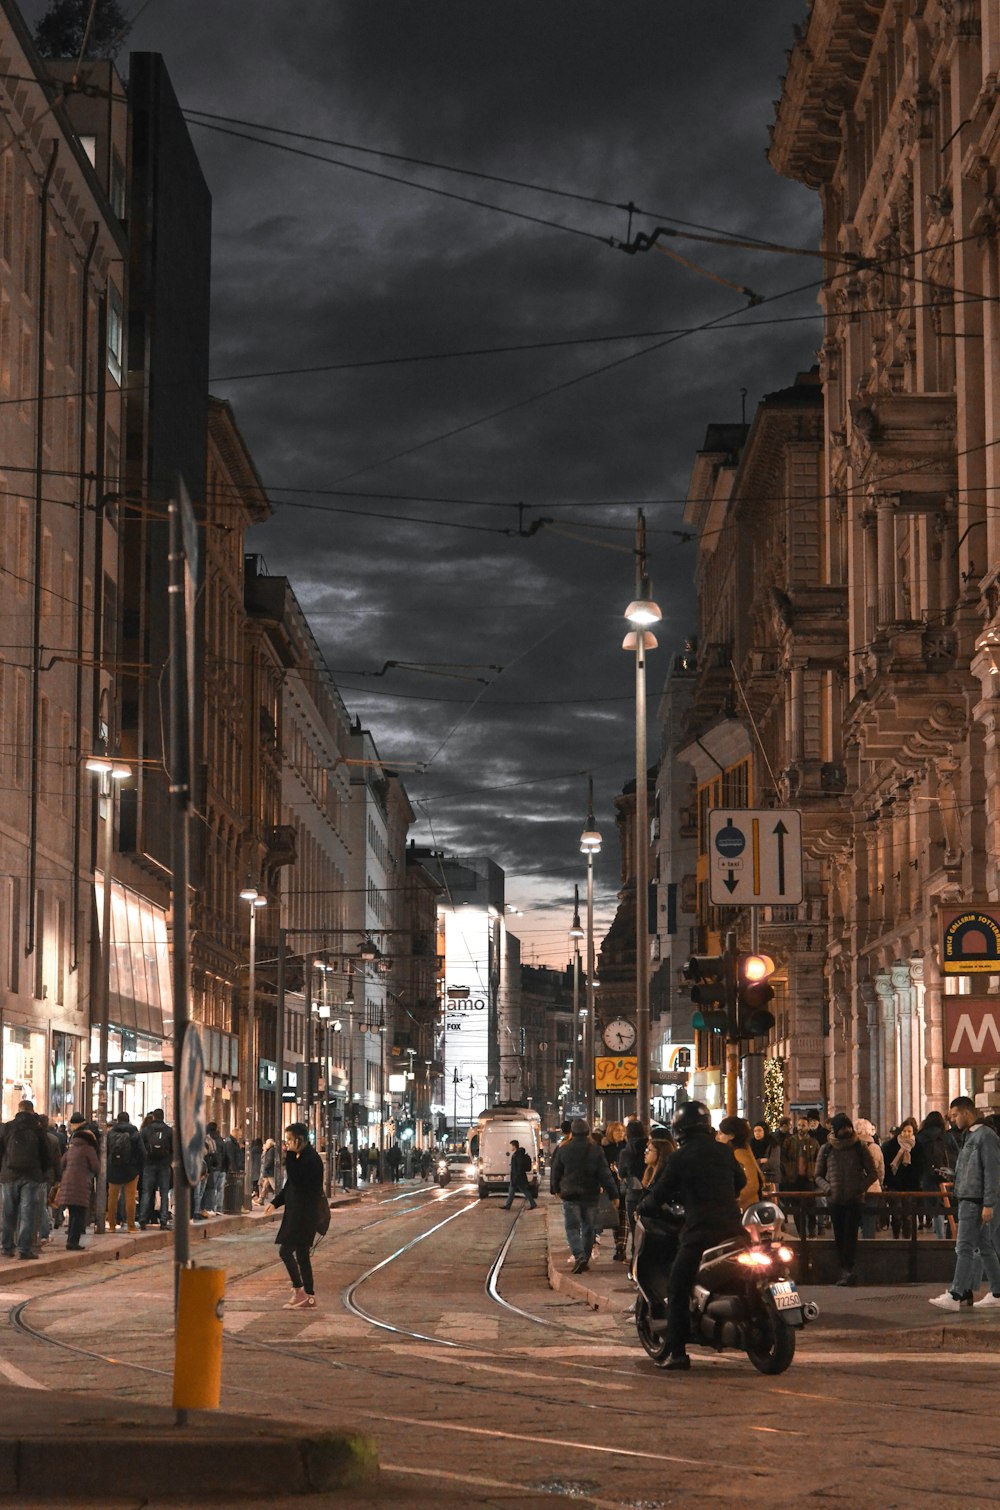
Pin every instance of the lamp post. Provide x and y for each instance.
(590, 845)
(641, 613)
(254, 901)
(576, 934)
(324, 1017)
(109, 772)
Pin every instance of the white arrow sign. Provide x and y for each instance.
(754, 857)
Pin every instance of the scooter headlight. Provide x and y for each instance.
(785, 1254)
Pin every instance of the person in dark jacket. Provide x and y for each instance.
(299, 1197)
(256, 1154)
(520, 1166)
(578, 1174)
(126, 1158)
(50, 1213)
(81, 1165)
(25, 1167)
(845, 1169)
(631, 1170)
(940, 1153)
(158, 1142)
(703, 1177)
(904, 1170)
(348, 1168)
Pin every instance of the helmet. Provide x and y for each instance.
(693, 1116)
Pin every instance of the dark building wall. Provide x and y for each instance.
(170, 228)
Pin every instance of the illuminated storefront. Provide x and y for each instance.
(140, 1005)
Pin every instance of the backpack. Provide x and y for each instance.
(23, 1148)
(211, 1154)
(119, 1146)
(158, 1142)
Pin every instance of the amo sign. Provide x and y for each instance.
(971, 1031)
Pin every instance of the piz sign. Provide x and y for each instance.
(971, 1031)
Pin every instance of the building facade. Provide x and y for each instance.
(890, 112)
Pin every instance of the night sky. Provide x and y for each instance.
(662, 103)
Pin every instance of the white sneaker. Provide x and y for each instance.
(950, 1302)
(989, 1299)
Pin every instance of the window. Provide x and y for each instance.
(117, 190)
(45, 573)
(44, 753)
(23, 549)
(20, 728)
(7, 213)
(115, 337)
(25, 376)
(27, 239)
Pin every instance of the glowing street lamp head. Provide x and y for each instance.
(590, 842)
(643, 612)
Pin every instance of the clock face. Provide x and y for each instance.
(619, 1035)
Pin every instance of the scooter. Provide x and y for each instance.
(744, 1295)
(443, 1172)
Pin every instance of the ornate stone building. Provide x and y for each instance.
(890, 110)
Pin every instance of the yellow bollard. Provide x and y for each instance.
(198, 1339)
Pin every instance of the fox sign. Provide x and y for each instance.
(971, 1031)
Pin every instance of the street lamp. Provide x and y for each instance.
(324, 1016)
(109, 773)
(590, 845)
(576, 934)
(254, 900)
(641, 613)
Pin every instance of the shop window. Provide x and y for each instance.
(24, 1062)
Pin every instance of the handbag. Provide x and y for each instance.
(607, 1213)
(323, 1215)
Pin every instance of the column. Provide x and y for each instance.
(885, 526)
(886, 1066)
(935, 1076)
(902, 987)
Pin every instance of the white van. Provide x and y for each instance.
(497, 1127)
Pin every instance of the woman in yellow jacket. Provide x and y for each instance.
(736, 1132)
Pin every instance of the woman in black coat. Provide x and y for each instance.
(300, 1198)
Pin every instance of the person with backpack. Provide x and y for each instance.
(25, 1173)
(216, 1162)
(158, 1142)
(126, 1158)
(520, 1168)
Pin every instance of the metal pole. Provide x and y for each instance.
(577, 1050)
(642, 1024)
(101, 1200)
(250, 1062)
(588, 1033)
(307, 1056)
(329, 1107)
(279, 1063)
(180, 798)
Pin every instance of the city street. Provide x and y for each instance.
(481, 1385)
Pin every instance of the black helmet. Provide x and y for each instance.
(691, 1117)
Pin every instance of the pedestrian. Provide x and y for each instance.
(158, 1142)
(25, 1163)
(374, 1171)
(346, 1166)
(520, 1167)
(216, 1163)
(126, 1158)
(977, 1194)
(63, 1136)
(265, 1188)
(234, 1154)
(939, 1153)
(631, 1169)
(81, 1167)
(845, 1169)
(394, 1158)
(299, 1198)
(703, 1177)
(614, 1144)
(256, 1147)
(736, 1132)
(49, 1215)
(799, 1153)
(426, 1165)
(817, 1131)
(578, 1174)
(873, 1195)
(904, 1170)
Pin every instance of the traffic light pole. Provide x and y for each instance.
(732, 1040)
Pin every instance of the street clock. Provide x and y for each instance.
(619, 1035)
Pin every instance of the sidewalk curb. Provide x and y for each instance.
(974, 1335)
(123, 1245)
(206, 1457)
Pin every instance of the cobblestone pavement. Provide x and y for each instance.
(475, 1404)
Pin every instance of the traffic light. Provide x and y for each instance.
(754, 991)
(713, 992)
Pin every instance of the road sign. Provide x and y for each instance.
(754, 857)
(971, 1031)
(970, 942)
(191, 1103)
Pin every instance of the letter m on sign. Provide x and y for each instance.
(971, 1031)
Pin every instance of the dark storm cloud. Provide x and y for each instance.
(664, 104)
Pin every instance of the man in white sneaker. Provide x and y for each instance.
(977, 1193)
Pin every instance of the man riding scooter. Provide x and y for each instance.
(704, 1177)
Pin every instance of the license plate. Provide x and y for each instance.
(785, 1296)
